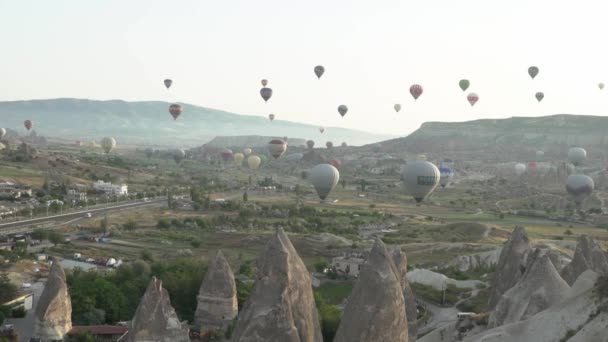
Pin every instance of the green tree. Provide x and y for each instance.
(321, 265)
(56, 238)
(130, 225)
(85, 336)
(8, 290)
(103, 224)
(245, 196)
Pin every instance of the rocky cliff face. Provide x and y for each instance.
(217, 301)
(539, 288)
(281, 307)
(588, 256)
(155, 319)
(400, 261)
(376, 308)
(511, 264)
(53, 317)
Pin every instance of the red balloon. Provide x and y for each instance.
(336, 163)
(175, 110)
(473, 98)
(27, 124)
(416, 90)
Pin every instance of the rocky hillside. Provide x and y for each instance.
(517, 137)
(149, 122)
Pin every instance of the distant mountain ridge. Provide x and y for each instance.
(149, 122)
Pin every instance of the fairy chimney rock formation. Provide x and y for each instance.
(155, 319)
(53, 317)
(376, 308)
(281, 307)
(511, 264)
(217, 302)
(588, 256)
(400, 260)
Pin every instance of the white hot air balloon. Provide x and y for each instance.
(254, 162)
(238, 158)
(108, 144)
(247, 151)
(579, 187)
(2, 133)
(577, 155)
(520, 169)
(276, 148)
(324, 178)
(420, 179)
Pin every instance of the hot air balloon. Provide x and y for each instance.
(107, 144)
(178, 155)
(310, 144)
(539, 96)
(540, 155)
(397, 107)
(2, 132)
(238, 158)
(321, 129)
(601, 86)
(420, 179)
(168, 83)
(264, 82)
(416, 90)
(247, 151)
(319, 70)
(446, 174)
(28, 124)
(472, 98)
(271, 117)
(336, 163)
(579, 186)
(266, 93)
(520, 169)
(227, 155)
(464, 84)
(254, 162)
(175, 110)
(329, 145)
(294, 157)
(344, 144)
(532, 166)
(342, 109)
(533, 71)
(577, 155)
(324, 178)
(276, 148)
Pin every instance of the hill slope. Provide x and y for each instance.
(150, 123)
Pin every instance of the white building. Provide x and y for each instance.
(110, 188)
(74, 196)
(348, 265)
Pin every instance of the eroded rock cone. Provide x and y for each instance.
(400, 260)
(217, 302)
(540, 288)
(53, 319)
(155, 319)
(376, 308)
(281, 307)
(511, 264)
(588, 256)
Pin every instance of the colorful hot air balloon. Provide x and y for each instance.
(319, 70)
(271, 117)
(276, 148)
(324, 178)
(254, 162)
(472, 98)
(539, 96)
(420, 179)
(2, 132)
(579, 187)
(168, 83)
(397, 107)
(310, 144)
(108, 144)
(28, 124)
(266, 93)
(178, 155)
(601, 86)
(446, 174)
(227, 155)
(175, 110)
(238, 158)
(342, 109)
(247, 151)
(577, 155)
(464, 84)
(416, 90)
(321, 129)
(520, 169)
(264, 82)
(336, 163)
(533, 71)
(329, 145)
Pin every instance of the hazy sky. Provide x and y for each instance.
(217, 51)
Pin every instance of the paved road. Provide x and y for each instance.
(7, 228)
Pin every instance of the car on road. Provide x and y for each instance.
(88, 215)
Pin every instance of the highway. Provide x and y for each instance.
(29, 224)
